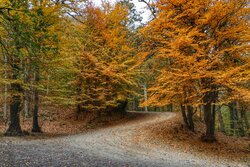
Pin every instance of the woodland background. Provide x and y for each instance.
(191, 57)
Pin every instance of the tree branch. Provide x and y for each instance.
(150, 7)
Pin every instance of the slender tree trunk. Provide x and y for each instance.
(133, 105)
(221, 122)
(232, 117)
(47, 88)
(26, 104)
(145, 96)
(244, 116)
(14, 128)
(5, 106)
(201, 109)
(170, 107)
(184, 115)
(236, 124)
(79, 84)
(36, 128)
(26, 93)
(187, 115)
(240, 120)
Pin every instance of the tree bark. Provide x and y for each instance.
(209, 117)
(190, 117)
(240, 122)
(145, 96)
(184, 116)
(221, 122)
(26, 104)
(244, 116)
(5, 106)
(233, 117)
(36, 128)
(26, 91)
(236, 121)
(170, 107)
(14, 128)
(187, 115)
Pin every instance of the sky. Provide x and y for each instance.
(139, 6)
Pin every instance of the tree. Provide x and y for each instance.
(206, 46)
(45, 19)
(29, 42)
(102, 55)
(14, 20)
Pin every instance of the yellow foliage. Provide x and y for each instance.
(205, 45)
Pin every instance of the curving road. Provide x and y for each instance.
(112, 146)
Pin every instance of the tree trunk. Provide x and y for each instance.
(233, 117)
(26, 104)
(236, 122)
(244, 116)
(240, 122)
(145, 96)
(26, 91)
(201, 109)
(133, 105)
(209, 117)
(184, 116)
(221, 122)
(190, 117)
(170, 107)
(14, 128)
(36, 128)
(47, 87)
(5, 106)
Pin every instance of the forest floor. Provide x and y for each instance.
(152, 139)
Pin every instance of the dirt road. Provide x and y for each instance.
(111, 146)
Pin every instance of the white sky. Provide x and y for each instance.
(139, 5)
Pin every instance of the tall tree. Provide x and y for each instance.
(103, 57)
(14, 23)
(206, 45)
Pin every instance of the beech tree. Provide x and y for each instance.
(15, 37)
(101, 55)
(28, 42)
(206, 45)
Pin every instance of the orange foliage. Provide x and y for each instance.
(199, 40)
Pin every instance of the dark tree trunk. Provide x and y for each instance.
(123, 107)
(190, 117)
(209, 117)
(36, 128)
(184, 115)
(209, 109)
(14, 128)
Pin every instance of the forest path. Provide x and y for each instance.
(111, 146)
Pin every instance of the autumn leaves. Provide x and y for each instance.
(193, 54)
(205, 46)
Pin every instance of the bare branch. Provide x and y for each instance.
(150, 7)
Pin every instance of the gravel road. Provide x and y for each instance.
(112, 146)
